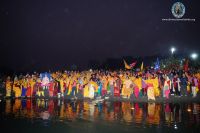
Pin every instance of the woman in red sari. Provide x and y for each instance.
(51, 89)
(30, 85)
(117, 85)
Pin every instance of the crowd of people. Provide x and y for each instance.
(93, 84)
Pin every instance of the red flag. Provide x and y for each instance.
(185, 67)
(133, 64)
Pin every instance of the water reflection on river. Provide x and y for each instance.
(85, 116)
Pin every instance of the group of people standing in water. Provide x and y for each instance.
(92, 84)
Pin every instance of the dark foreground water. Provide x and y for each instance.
(48, 116)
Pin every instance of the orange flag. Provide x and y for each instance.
(142, 66)
(126, 65)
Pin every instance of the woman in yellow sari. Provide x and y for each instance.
(8, 87)
(126, 90)
(156, 86)
(150, 90)
(105, 84)
(138, 86)
(62, 89)
(92, 89)
(70, 85)
(17, 88)
(85, 88)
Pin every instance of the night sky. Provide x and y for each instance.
(59, 33)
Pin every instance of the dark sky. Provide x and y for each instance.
(36, 33)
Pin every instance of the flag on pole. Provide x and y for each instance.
(186, 65)
(126, 65)
(142, 65)
(133, 64)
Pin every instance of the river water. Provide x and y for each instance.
(61, 116)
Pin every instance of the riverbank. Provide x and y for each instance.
(120, 99)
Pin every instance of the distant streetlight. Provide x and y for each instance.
(194, 56)
(173, 50)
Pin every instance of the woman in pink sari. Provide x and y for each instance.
(166, 88)
(136, 91)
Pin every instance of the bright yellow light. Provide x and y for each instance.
(189, 110)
